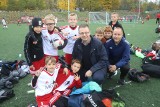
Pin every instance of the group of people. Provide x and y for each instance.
(88, 58)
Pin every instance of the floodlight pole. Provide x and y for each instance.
(68, 7)
(139, 8)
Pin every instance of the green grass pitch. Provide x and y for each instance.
(135, 94)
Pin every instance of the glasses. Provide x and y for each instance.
(82, 33)
(49, 24)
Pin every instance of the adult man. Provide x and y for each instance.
(92, 55)
(118, 51)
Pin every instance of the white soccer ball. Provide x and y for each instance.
(58, 42)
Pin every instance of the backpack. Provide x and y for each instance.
(137, 76)
(106, 98)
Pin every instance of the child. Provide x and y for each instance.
(34, 51)
(71, 32)
(50, 83)
(99, 34)
(44, 82)
(49, 35)
(4, 23)
(114, 22)
(74, 82)
(108, 33)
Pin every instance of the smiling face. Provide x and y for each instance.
(50, 66)
(84, 33)
(75, 67)
(99, 36)
(50, 24)
(117, 35)
(72, 20)
(114, 17)
(37, 29)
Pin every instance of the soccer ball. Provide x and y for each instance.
(58, 42)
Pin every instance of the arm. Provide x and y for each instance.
(34, 81)
(102, 59)
(125, 57)
(27, 49)
(78, 84)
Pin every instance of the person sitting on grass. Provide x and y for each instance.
(51, 84)
(118, 51)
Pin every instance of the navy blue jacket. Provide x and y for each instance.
(98, 54)
(118, 55)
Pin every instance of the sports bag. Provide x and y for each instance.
(152, 70)
(137, 76)
(106, 98)
(6, 94)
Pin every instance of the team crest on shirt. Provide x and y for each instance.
(110, 48)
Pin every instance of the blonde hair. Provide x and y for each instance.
(50, 58)
(115, 14)
(50, 17)
(108, 28)
(100, 30)
(73, 14)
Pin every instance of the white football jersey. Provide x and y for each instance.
(48, 40)
(71, 33)
(45, 82)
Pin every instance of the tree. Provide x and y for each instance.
(63, 4)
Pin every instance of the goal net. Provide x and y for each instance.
(99, 18)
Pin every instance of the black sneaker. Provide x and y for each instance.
(121, 82)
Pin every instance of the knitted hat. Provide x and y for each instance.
(36, 22)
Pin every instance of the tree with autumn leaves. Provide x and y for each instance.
(86, 5)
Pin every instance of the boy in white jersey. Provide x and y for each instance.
(49, 35)
(71, 33)
(4, 23)
(44, 82)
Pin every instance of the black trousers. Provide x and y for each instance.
(157, 20)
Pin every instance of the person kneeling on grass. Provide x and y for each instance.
(118, 51)
(51, 84)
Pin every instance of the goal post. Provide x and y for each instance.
(99, 18)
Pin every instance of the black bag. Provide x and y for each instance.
(7, 67)
(157, 30)
(152, 70)
(137, 76)
(95, 99)
(6, 94)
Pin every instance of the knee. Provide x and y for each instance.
(99, 78)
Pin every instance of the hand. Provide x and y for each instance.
(75, 37)
(34, 42)
(32, 67)
(112, 68)
(76, 77)
(65, 33)
(65, 71)
(88, 73)
(37, 73)
(56, 30)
